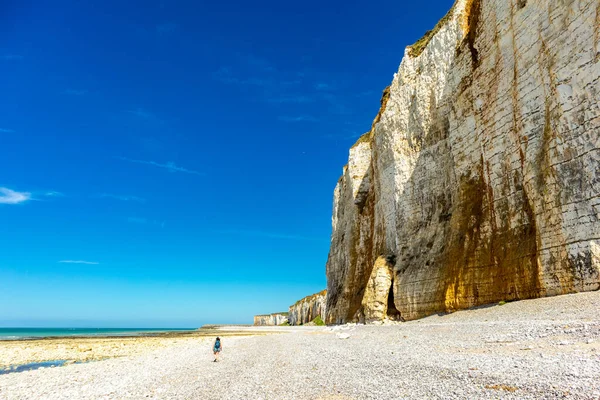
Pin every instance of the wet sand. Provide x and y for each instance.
(82, 349)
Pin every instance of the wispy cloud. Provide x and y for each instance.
(283, 87)
(53, 194)
(323, 86)
(4, 130)
(8, 196)
(366, 93)
(166, 28)
(349, 136)
(122, 198)
(142, 113)
(137, 220)
(257, 82)
(257, 62)
(78, 262)
(270, 235)
(12, 57)
(169, 166)
(292, 99)
(226, 75)
(75, 92)
(336, 104)
(300, 118)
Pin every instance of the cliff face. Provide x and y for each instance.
(480, 179)
(270, 319)
(307, 309)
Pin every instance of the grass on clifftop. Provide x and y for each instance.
(417, 49)
(285, 313)
(311, 297)
(365, 138)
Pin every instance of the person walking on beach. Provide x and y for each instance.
(217, 348)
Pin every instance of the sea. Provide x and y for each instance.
(38, 333)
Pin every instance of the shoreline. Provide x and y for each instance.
(99, 336)
(205, 330)
(541, 348)
(77, 349)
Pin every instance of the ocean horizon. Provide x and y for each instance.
(40, 333)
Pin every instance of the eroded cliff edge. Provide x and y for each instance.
(480, 178)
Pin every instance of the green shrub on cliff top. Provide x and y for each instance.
(416, 49)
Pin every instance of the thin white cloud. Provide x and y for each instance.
(270, 235)
(53, 194)
(366, 93)
(260, 79)
(6, 130)
(136, 220)
(75, 92)
(8, 196)
(349, 136)
(123, 198)
(291, 99)
(78, 262)
(257, 62)
(301, 118)
(257, 82)
(169, 166)
(225, 75)
(12, 57)
(142, 113)
(166, 28)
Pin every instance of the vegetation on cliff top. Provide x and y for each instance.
(285, 313)
(311, 297)
(417, 49)
(366, 138)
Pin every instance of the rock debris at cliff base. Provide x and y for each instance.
(480, 177)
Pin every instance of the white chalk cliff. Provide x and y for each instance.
(480, 178)
(274, 319)
(307, 309)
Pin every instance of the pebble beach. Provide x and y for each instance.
(534, 349)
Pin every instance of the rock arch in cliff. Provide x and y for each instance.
(378, 299)
(392, 312)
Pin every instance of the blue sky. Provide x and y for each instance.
(172, 163)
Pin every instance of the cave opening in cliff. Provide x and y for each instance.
(392, 311)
